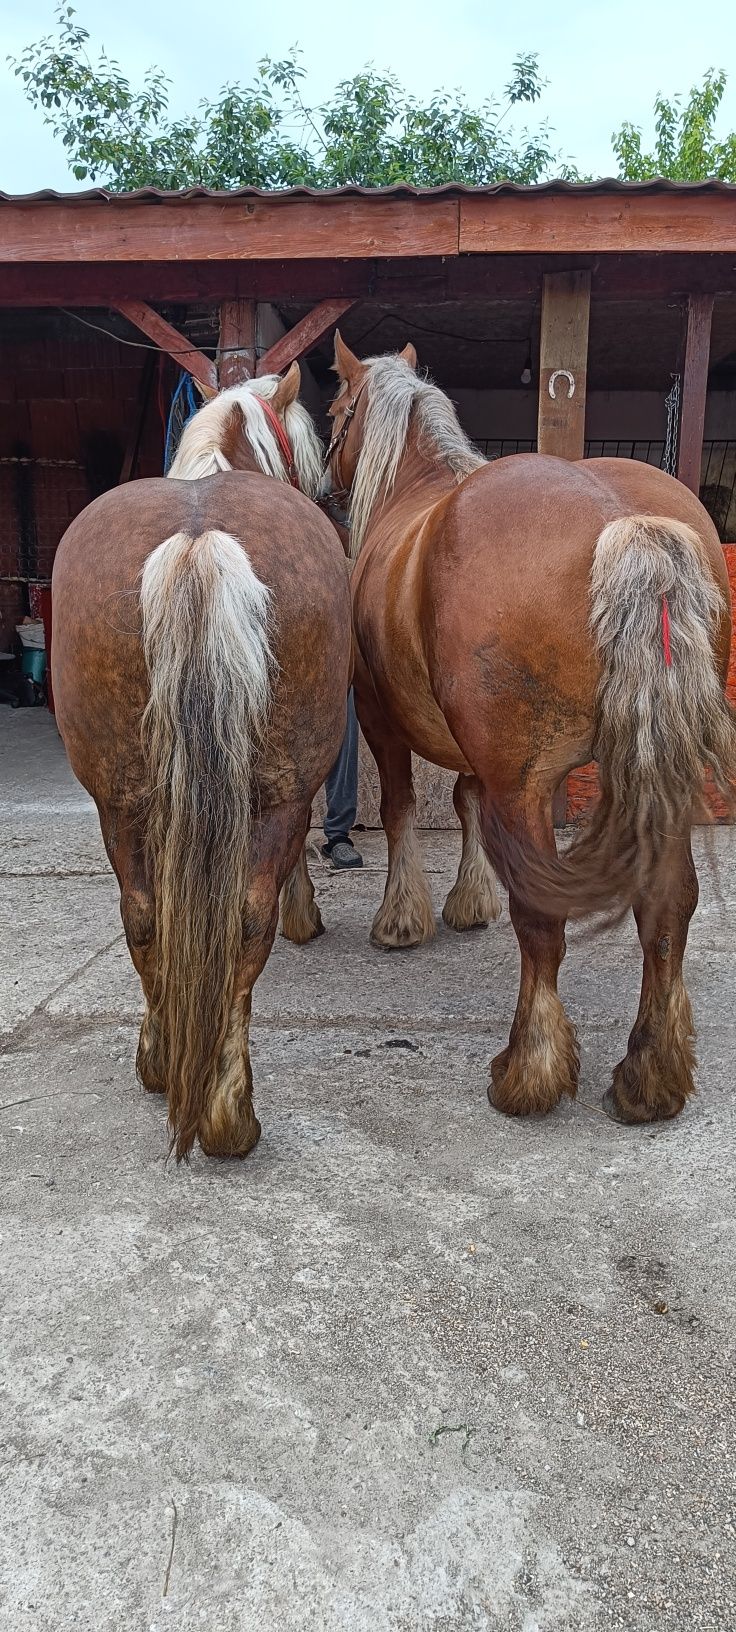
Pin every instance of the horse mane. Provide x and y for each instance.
(393, 391)
(200, 449)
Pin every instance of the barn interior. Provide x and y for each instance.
(85, 398)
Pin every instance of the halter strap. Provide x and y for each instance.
(339, 437)
(287, 452)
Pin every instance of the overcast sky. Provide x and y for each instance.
(604, 61)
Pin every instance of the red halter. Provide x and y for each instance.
(287, 451)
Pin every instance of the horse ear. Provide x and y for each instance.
(287, 389)
(346, 364)
(409, 355)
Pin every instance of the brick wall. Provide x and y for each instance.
(69, 398)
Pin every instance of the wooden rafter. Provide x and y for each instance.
(164, 335)
(304, 336)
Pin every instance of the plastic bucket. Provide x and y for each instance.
(33, 663)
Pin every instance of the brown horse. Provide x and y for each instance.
(510, 620)
(201, 663)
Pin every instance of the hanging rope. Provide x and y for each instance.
(184, 404)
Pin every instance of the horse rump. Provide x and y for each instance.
(661, 720)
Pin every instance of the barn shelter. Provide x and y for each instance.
(577, 319)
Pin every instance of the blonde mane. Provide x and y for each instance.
(200, 449)
(393, 390)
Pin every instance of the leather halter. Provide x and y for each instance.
(339, 437)
(287, 452)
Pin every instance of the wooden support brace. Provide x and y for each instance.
(237, 349)
(694, 390)
(171, 341)
(563, 363)
(304, 336)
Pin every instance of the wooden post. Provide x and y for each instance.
(563, 363)
(694, 389)
(237, 350)
(130, 457)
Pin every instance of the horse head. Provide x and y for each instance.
(348, 413)
(258, 425)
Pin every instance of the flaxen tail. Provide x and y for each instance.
(662, 719)
(206, 643)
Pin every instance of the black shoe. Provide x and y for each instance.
(342, 852)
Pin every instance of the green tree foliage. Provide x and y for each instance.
(686, 147)
(371, 131)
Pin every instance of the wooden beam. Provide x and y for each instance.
(563, 363)
(201, 368)
(590, 223)
(228, 228)
(121, 229)
(236, 353)
(304, 335)
(366, 226)
(694, 390)
(395, 281)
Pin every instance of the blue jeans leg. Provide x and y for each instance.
(342, 783)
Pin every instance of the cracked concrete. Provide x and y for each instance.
(222, 1384)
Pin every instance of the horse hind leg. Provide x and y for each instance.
(405, 917)
(228, 1125)
(655, 1077)
(473, 900)
(541, 1062)
(300, 918)
(124, 843)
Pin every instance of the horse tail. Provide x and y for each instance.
(661, 718)
(205, 619)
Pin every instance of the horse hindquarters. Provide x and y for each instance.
(659, 618)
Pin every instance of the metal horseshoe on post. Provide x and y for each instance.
(562, 374)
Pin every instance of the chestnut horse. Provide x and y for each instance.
(511, 620)
(201, 664)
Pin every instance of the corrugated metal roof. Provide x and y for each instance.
(155, 195)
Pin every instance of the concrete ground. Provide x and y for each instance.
(410, 1366)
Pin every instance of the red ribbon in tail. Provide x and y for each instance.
(666, 632)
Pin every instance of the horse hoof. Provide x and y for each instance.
(499, 1067)
(230, 1142)
(612, 1108)
(463, 929)
(400, 941)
